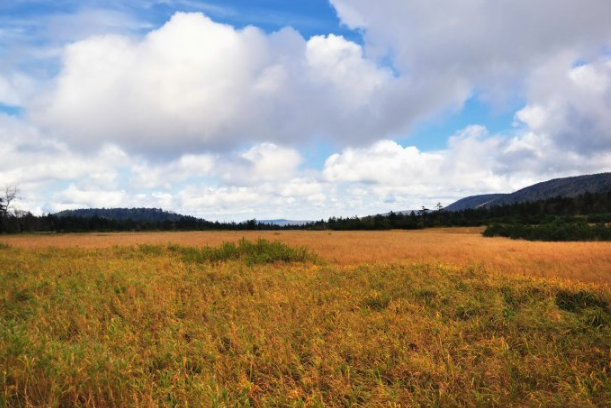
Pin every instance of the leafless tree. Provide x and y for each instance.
(7, 207)
(10, 194)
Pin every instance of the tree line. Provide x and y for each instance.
(560, 218)
(556, 230)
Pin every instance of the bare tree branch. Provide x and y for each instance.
(10, 194)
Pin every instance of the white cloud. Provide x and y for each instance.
(339, 64)
(456, 47)
(27, 156)
(304, 187)
(571, 108)
(87, 22)
(195, 85)
(262, 163)
(151, 175)
(476, 37)
(385, 162)
(298, 198)
(206, 119)
(474, 162)
(387, 168)
(15, 88)
(36, 164)
(74, 197)
(262, 180)
(8, 94)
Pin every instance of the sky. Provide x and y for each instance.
(304, 109)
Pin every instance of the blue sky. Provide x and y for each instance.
(309, 17)
(297, 109)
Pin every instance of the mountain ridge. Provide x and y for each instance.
(283, 222)
(568, 187)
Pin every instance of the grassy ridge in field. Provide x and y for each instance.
(152, 325)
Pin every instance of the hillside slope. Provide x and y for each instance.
(474, 202)
(561, 187)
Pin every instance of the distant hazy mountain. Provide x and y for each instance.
(136, 214)
(150, 215)
(562, 187)
(282, 222)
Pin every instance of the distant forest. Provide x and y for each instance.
(585, 217)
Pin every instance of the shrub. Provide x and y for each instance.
(557, 230)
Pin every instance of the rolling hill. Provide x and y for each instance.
(136, 214)
(283, 222)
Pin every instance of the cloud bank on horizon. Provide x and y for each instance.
(225, 118)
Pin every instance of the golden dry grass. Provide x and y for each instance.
(584, 261)
(151, 325)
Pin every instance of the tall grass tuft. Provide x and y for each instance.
(259, 252)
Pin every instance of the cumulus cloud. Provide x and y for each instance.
(264, 179)
(448, 51)
(474, 162)
(262, 163)
(152, 175)
(391, 169)
(265, 200)
(476, 38)
(571, 108)
(28, 157)
(206, 119)
(195, 85)
(74, 197)
(386, 162)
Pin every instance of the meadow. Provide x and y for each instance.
(583, 261)
(295, 318)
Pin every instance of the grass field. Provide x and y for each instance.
(424, 318)
(584, 261)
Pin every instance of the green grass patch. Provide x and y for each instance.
(261, 251)
(579, 301)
